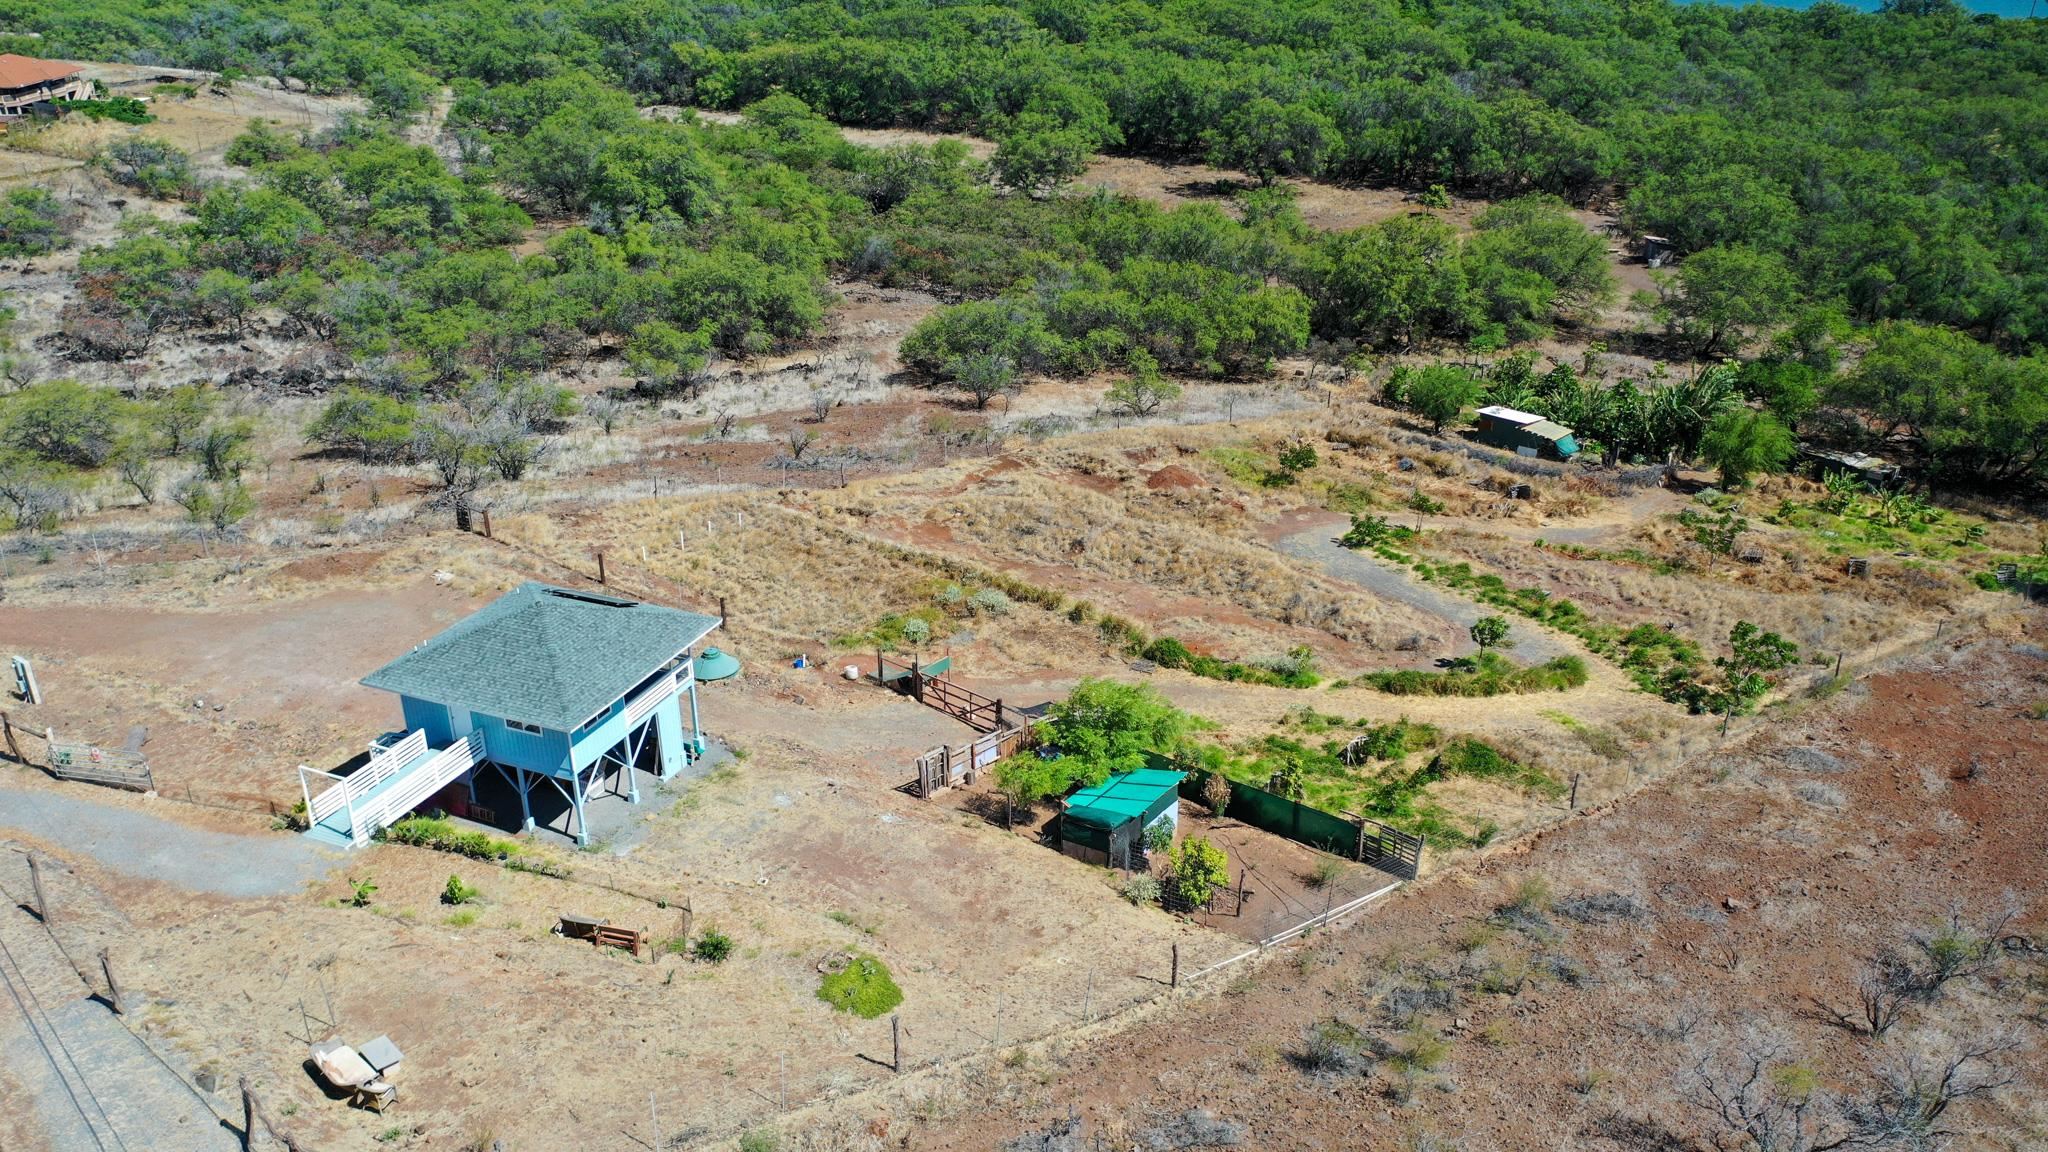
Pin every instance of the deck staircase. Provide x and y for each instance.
(351, 809)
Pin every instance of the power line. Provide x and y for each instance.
(36, 1030)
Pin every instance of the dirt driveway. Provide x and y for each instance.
(1533, 644)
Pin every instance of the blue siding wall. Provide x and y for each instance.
(430, 716)
(547, 752)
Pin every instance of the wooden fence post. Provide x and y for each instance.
(113, 985)
(35, 880)
(895, 1043)
(13, 749)
(1176, 965)
(487, 525)
(248, 1116)
(600, 571)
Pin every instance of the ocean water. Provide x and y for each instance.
(2011, 9)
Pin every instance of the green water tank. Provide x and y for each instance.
(715, 664)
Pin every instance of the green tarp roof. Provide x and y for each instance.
(547, 656)
(1124, 797)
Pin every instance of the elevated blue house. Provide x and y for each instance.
(549, 688)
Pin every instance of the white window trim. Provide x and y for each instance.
(523, 726)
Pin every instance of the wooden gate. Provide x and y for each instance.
(1389, 849)
(981, 713)
(948, 766)
(96, 765)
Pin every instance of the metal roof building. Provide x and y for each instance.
(1102, 824)
(1525, 433)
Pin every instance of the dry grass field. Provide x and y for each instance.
(1601, 921)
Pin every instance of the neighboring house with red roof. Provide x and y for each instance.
(26, 81)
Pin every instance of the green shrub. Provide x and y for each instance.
(1141, 889)
(1368, 531)
(125, 109)
(1199, 869)
(1420, 501)
(1487, 674)
(457, 892)
(1294, 670)
(713, 946)
(865, 988)
(1159, 836)
(440, 833)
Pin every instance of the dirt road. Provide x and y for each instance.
(1532, 644)
(150, 847)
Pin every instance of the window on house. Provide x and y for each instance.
(523, 726)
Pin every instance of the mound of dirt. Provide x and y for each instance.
(1173, 477)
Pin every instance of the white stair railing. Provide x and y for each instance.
(430, 777)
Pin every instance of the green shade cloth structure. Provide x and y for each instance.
(1141, 795)
(716, 664)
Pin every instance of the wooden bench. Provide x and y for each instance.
(611, 936)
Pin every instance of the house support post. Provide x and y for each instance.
(576, 801)
(696, 729)
(525, 805)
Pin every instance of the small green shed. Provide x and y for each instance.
(1105, 824)
(1525, 433)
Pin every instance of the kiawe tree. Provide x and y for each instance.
(1440, 392)
(1037, 153)
(1268, 140)
(1726, 296)
(1742, 441)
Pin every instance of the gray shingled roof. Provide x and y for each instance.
(544, 655)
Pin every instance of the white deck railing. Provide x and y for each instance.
(447, 765)
(646, 702)
(384, 764)
(429, 777)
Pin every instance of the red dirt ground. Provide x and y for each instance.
(1758, 882)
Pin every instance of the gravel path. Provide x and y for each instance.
(1533, 644)
(151, 847)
